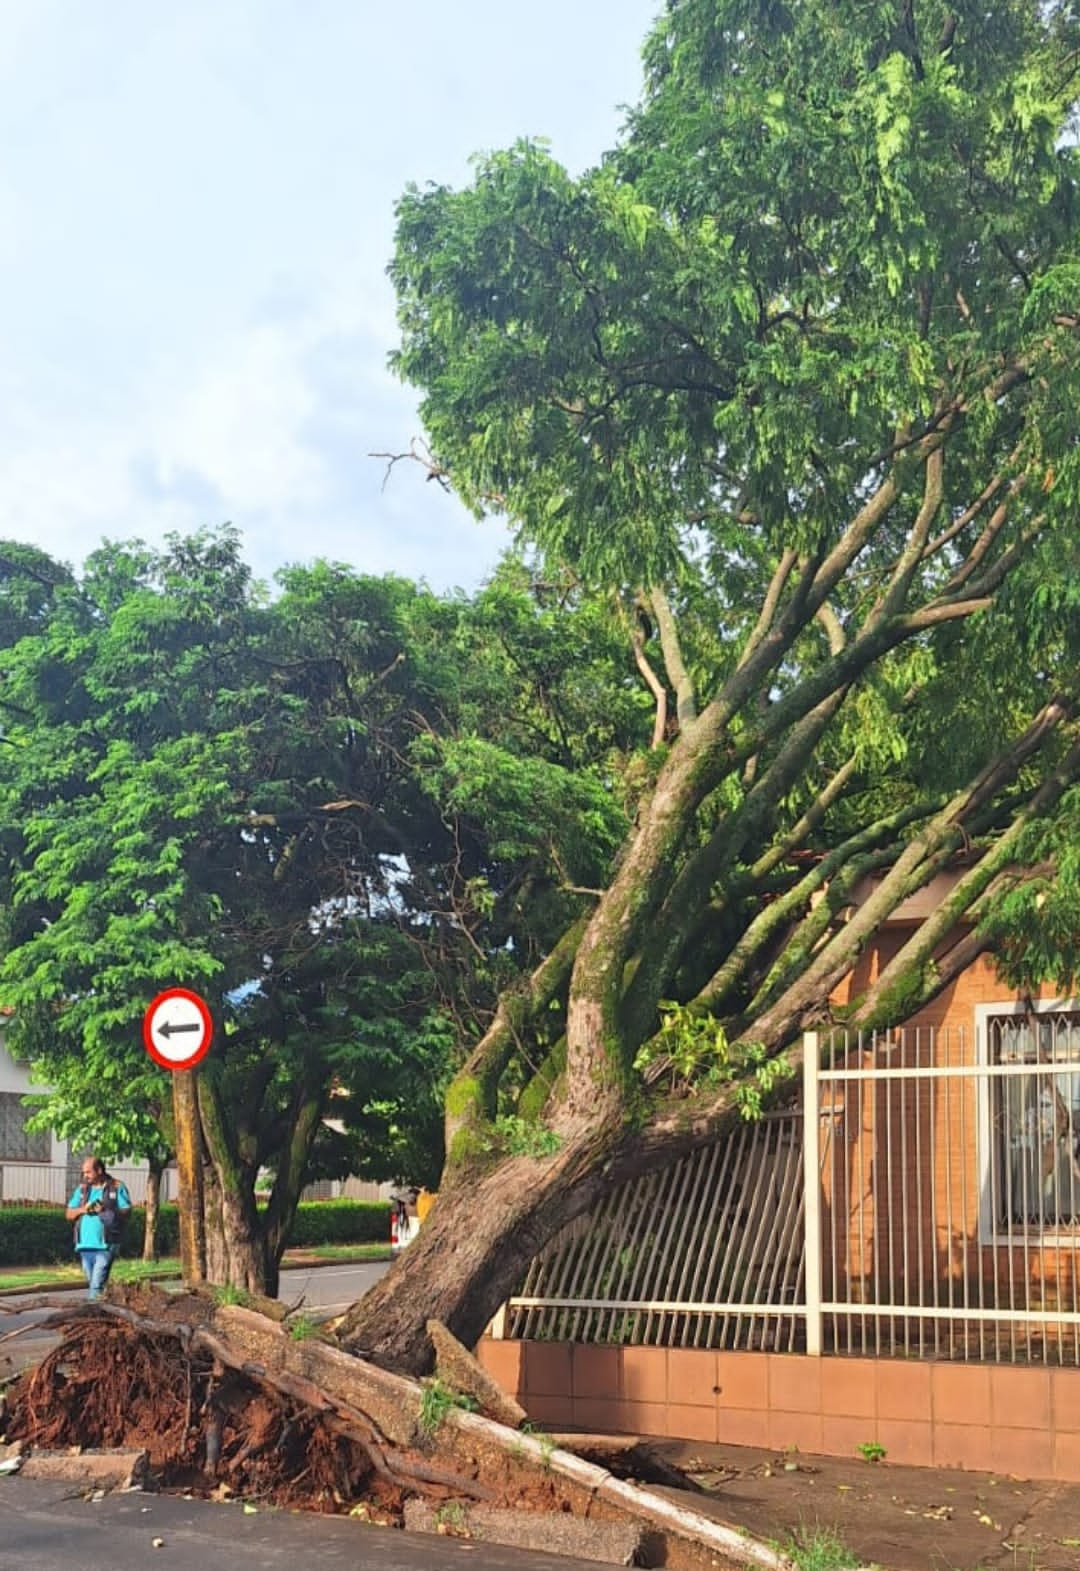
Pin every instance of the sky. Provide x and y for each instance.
(196, 213)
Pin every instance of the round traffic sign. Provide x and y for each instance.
(177, 1029)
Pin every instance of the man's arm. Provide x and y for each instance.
(79, 1205)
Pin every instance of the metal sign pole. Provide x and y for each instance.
(177, 1031)
(189, 1170)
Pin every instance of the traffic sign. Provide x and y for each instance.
(177, 1029)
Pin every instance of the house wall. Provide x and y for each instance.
(946, 1160)
(1024, 1422)
(15, 1078)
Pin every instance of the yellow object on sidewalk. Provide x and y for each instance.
(424, 1202)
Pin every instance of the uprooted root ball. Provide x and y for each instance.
(110, 1384)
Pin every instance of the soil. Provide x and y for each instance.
(901, 1518)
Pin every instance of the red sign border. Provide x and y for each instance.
(208, 1023)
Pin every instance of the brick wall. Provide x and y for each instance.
(1024, 1421)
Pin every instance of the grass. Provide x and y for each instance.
(452, 1515)
(32, 1279)
(436, 1400)
(302, 1328)
(818, 1549)
(229, 1293)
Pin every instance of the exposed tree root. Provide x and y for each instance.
(208, 1394)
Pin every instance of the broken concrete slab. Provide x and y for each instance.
(119, 1469)
(556, 1533)
(460, 1370)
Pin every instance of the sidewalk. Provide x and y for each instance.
(900, 1518)
(68, 1278)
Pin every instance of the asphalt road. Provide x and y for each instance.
(43, 1527)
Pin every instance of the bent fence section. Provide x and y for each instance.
(924, 1202)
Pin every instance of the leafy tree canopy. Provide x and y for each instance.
(321, 809)
(793, 373)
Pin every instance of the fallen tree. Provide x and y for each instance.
(794, 375)
(229, 1401)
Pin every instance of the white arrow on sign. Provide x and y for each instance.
(177, 1029)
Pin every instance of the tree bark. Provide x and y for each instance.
(153, 1208)
(472, 1252)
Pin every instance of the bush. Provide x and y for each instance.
(40, 1235)
(340, 1222)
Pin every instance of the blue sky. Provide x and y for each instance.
(196, 211)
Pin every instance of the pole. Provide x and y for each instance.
(812, 1187)
(189, 1170)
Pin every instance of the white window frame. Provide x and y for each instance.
(989, 1229)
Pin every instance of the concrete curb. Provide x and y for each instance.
(735, 1546)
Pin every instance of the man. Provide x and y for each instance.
(97, 1208)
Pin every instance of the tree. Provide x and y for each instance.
(260, 799)
(794, 371)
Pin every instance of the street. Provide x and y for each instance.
(42, 1528)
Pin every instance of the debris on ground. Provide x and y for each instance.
(455, 1365)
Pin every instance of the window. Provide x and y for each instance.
(1034, 1167)
(16, 1144)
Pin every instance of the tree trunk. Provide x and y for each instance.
(235, 1251)
(472, 1252)
(153, 1208)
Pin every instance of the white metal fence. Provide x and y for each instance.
(705, 1253)
(924, 1202)
(49, 1184)
(949, 1198)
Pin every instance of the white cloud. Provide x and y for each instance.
(240, 426)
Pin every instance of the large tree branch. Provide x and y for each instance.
(770, 604)
(471, 1098)
(653, 683)
(917, 955)
(921, 858)
(836, 870)
(678, 676)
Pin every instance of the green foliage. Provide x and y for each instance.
(437, 1399)
(833, 244)
(872, 1451)
(340, 1222)
(330, 847)
(692, 1051)
(512, 1135)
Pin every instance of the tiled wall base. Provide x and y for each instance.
(1024, 1421)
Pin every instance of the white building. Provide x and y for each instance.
(42, 1166)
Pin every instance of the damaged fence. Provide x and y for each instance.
(923, 1202)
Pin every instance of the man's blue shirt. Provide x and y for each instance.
(90, 1230)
